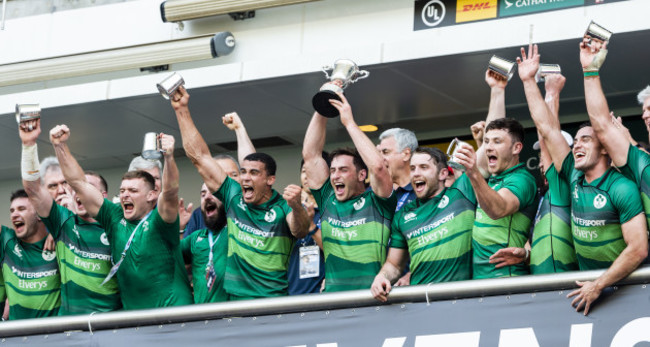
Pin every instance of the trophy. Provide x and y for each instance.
(170, 85)
(451, 153)
(151, 147)
(343, 73)
(545, 70)
(502, 67)
(595, 31)
(27, 112)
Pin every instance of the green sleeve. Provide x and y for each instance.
(637, 162)
(3, 293)
(323, 193)
(568, 169)
(57, 217)
(626, 198)
(465, 187)
(522, 185)
(167, 231)
(6, 234)
(228, 190)
(186, 247)
(386, 205)
(109, 215)
(396, 236)
(558, 186)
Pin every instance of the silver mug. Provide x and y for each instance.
(343, 73)
(545, 70)
(151, 148)
(170, 85)
(596, 31)
(502, 67)
(27, 112)
(451, 154)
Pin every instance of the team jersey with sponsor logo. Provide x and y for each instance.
(152, 273)
(84, 259)
(637, 169)
(438, 234)
(196, 251)
(598, 209)
(552, 244)
(355, 236)
(259, 244)
(489, 235)
(31, 277)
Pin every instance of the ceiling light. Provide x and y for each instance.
(368, 128)
(133, 57)
(179, 10)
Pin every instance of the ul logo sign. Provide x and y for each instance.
(433, 13)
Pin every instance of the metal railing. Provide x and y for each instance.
(303, 303)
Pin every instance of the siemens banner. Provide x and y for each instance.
(430, 14)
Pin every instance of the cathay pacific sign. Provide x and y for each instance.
(517, 7)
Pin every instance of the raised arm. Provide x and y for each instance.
(497, 107)
(90, 197)
(29, 167)
(195, 147)
(168, 198)
(244, 143)
(591, 58)
(298, 219)
(548, 125)
(496, 204)
(312, 152)
(636, 238)
(380, 180)
(553, 85)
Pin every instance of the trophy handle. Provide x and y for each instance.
(360, 75)
(452, 147)
(325, 69)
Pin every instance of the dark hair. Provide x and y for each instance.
(145, 176)
(439, 158)
(20, 193)
(267, 160)
(326, 157)
(584, 125)
(356, 158)
(101, 179)
(513, 127)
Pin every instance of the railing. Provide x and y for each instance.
(311, 302)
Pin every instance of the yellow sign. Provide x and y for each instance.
(472, 10)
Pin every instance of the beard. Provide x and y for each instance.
(217, 222)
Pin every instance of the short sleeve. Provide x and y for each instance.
(397, 239)
(186, 248)
(228, 190)
(637, 162)
(568, 166)
(323, 193)
(522, 185)
(464, 186)
(57, 217)
(387, 205)
(168, 231)
(109, 215)
(626, 199)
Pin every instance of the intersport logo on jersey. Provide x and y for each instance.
(473, 10)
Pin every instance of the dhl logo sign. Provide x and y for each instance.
(471, 10)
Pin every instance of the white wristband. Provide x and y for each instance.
(29, 163)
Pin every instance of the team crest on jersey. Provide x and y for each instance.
(359, 204)
(410, 216)
(575, 192)
(443, 202)
(145, 226)
(48, 255)
(599, 201)
(241, 204)
(75, 230)
(104, 239)
(270, 216)
(18, 251)
(123, 222)
(199, 239)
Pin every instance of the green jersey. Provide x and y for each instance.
(355, 236)
(489, 235)
(598, 209)
(84, 259)
(196, 251)
(438, 234)
(259, 244)
(31, 277)
(152, 273)
(552, 244)
(637, 169)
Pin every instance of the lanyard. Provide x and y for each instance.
(211, 254)
(126, 248)
(402, 200)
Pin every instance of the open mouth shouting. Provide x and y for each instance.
(579, 156)
(248, 192)
(419, 185)
(128, 207)
(210, 209)
(339, 188)
(492, 160)
(19, 225)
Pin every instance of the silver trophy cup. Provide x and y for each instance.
(451, 154)
(503, 67)
(545, 70)
(595, 31)
(170, 85)
(344, 72)
(151, 147)
(26, 112)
